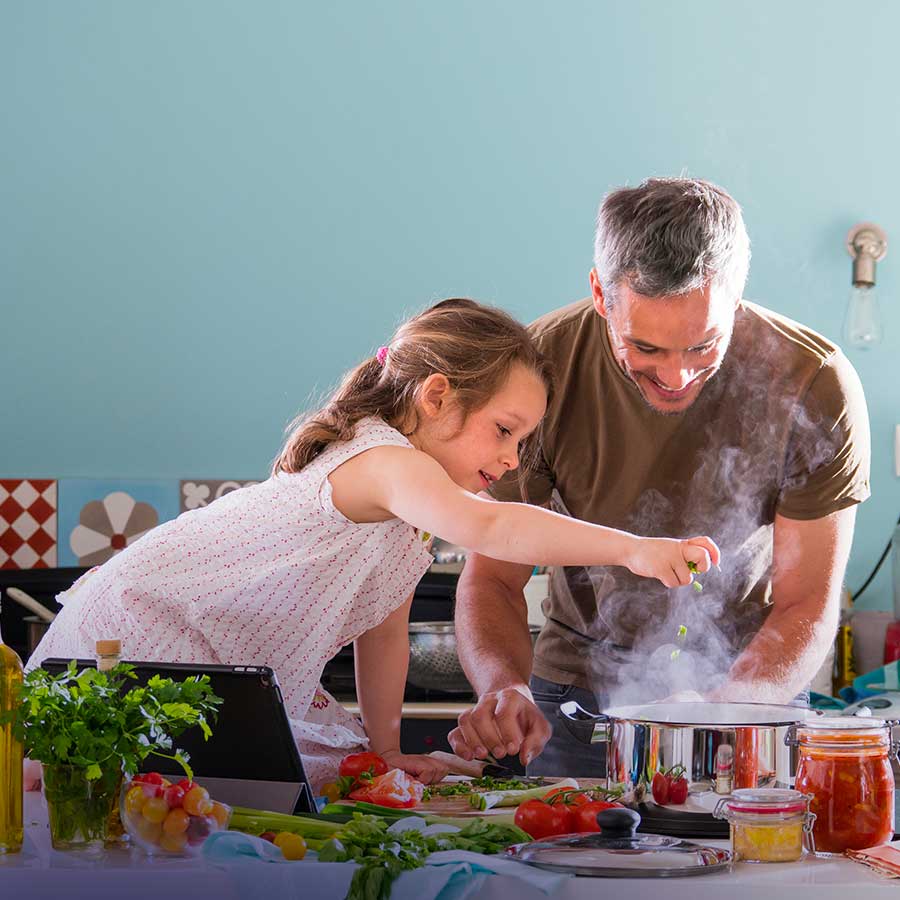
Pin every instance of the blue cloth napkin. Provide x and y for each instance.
(448, 875)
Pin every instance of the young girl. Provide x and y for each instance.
(329, 549)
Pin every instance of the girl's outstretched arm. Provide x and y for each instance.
(413, 486)
(381, 661)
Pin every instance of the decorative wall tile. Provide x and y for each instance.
(27, 523)
(98, 518)
(195, 494)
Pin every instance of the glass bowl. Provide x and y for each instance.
(170, 819)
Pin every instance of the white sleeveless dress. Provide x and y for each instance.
(272, 574)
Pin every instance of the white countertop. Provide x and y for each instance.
(39, 873)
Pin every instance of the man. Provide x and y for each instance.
(679, 409)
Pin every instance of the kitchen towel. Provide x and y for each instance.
(885, 859)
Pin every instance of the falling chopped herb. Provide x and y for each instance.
(695, 584)
(682, 631)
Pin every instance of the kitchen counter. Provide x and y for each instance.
(40, 873)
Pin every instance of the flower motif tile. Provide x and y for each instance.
(99, 518)
(27, 523)
(194, 494)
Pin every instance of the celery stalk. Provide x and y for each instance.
(514, 798)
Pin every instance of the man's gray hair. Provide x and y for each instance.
(669, 236)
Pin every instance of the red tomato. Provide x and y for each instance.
(174, 795)
(568, 796)
(186, 784)
(357, 764)
(148, 778)
(678, 790)
(660, 788)
(584, 818)
(394, 789)
(542, 819)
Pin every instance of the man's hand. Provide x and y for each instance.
(503, 723)
(422, 768)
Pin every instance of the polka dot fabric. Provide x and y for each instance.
(271, 574)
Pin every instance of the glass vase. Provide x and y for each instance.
(78, 809)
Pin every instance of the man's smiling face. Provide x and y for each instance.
(668, 346)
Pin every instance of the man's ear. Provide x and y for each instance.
(597, 295)
(433, 394)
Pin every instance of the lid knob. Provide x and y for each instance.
(618, 823)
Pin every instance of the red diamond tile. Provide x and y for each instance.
(41, 484)
(40, 542)
(10, 542)
(40, 510)
(10, 510)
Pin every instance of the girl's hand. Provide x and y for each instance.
(423, 768)
(667, 559)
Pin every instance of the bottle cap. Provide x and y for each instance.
(108, 647)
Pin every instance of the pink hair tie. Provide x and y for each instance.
(381, 355)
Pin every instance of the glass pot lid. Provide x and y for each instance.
(618, 852)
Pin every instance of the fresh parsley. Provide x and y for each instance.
(94, 721)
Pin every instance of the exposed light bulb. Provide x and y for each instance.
(867, 244)
(863, 326)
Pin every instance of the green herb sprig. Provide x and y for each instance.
(692, 566)
(92, 720)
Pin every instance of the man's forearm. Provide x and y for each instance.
(783, 657)
(493, 640)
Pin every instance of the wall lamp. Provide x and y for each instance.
(867, 244)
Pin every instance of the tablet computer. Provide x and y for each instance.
(251, 759)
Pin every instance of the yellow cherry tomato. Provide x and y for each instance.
(155, 809)
(331, 792)
(176, 821)
(196, 801)
(147, 831)
(135, 800)
(221, 813)
(174, 843)
(292, 845)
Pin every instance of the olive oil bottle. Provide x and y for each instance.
(10, 754)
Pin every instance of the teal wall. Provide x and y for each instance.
(211, 209)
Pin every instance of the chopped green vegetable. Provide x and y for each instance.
(682, 631)
(382, 856)
(694, 584)
(485, 783)
(514, 798)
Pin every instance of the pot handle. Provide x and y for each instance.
(589, 728)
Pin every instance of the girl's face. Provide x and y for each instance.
(480, 448)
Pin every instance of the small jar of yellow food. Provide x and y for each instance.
(768, 824)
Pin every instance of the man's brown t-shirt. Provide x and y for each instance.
(781, 428)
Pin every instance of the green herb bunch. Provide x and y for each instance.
(92, 720)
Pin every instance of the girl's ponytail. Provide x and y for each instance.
(473, 345)
(310, 434)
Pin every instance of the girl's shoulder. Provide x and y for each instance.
(371, 432)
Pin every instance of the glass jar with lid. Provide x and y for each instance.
(845, 765)
(767, 824)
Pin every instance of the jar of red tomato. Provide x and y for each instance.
(845, 766)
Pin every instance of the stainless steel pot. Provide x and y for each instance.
(722, 746)
(433, 660)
